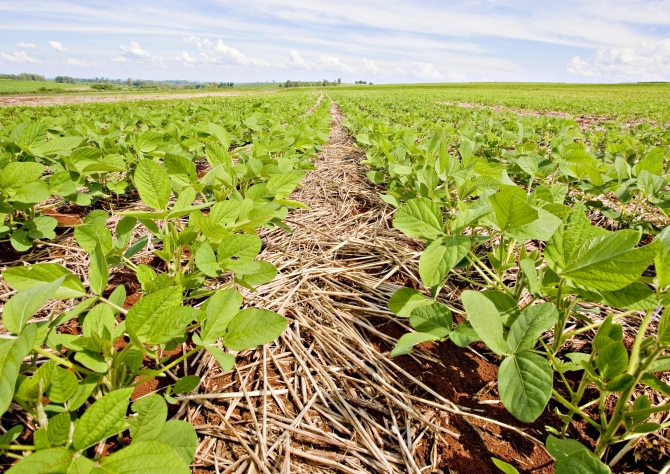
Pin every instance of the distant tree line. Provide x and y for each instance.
(362, 82)
(65, 80)
(24, 76)
(323, 83)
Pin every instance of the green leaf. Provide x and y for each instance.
(221, 309)
(58, 430)
(525, 382)
(90, 235)
(597, 259)
(145, 457)
(166, 324)
(12, 353)
(636, 296)
(104, 418)
(405, 300)
(263, 273)
(419, 218)
(239, 248)
(504, 467)
(253, 327)
(151, 412)
(434, 319)
(20, 240)
(181, 437)
(22, 278)
(530, 325)
(186, 384)
(92, 361)
(98, 273)
(561, 449)
(662, 259)
(409, 340)
(612, 360)
(84, 391)
(63, 385)
(22, 306)
(153, 184)
(486, 321)
(17, 174)
(225, 360)
(464, 334)
(143, 314)
(582, 462)
(511, 209)
(664, 328)
(440, 257)
(47, 461)
(527, 266)
(42, 227)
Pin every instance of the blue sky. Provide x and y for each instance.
(383, 41)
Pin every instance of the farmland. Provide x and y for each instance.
(357, 279)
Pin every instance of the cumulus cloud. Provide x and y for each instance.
(134, 50)
(185, 59)
(18, 57)
(82, 62)
(220, 53)
(295, 60)
(25, 45)
(425, 71)
(331, 62)
(191, 39)
(646, 61)
(57, 46)
(372, 68)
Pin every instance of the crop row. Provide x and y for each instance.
(507, 206)
(193, 181)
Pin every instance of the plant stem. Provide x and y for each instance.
(635, 351)
(61, 361)
(118, 308)
(557, 396)
(16, 447)
(167, 367)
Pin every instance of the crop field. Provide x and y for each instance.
(16, 86)
(421, 278)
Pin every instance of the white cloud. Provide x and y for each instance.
(646, 61)
(57, 46)
(82, 62)
(425, 71)
(25, 45)
(372, 68)
(331, 62)
(295, 60)
(579, 67)
(18, 57)
(185, 58)
(134, 50)
(236, 56)
(220, 53)
(191, 39)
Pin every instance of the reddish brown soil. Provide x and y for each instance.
(33, 100)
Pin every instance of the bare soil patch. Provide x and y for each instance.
(63, 99)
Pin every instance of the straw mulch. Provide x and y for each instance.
(324, 398)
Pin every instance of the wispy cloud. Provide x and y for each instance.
(21, 44)
(18, 57)
(57, 46)
(390, 40)
(645, 61)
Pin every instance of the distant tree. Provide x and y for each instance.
(129, 82)
(339, 81)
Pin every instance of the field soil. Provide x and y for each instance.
(64, 99)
